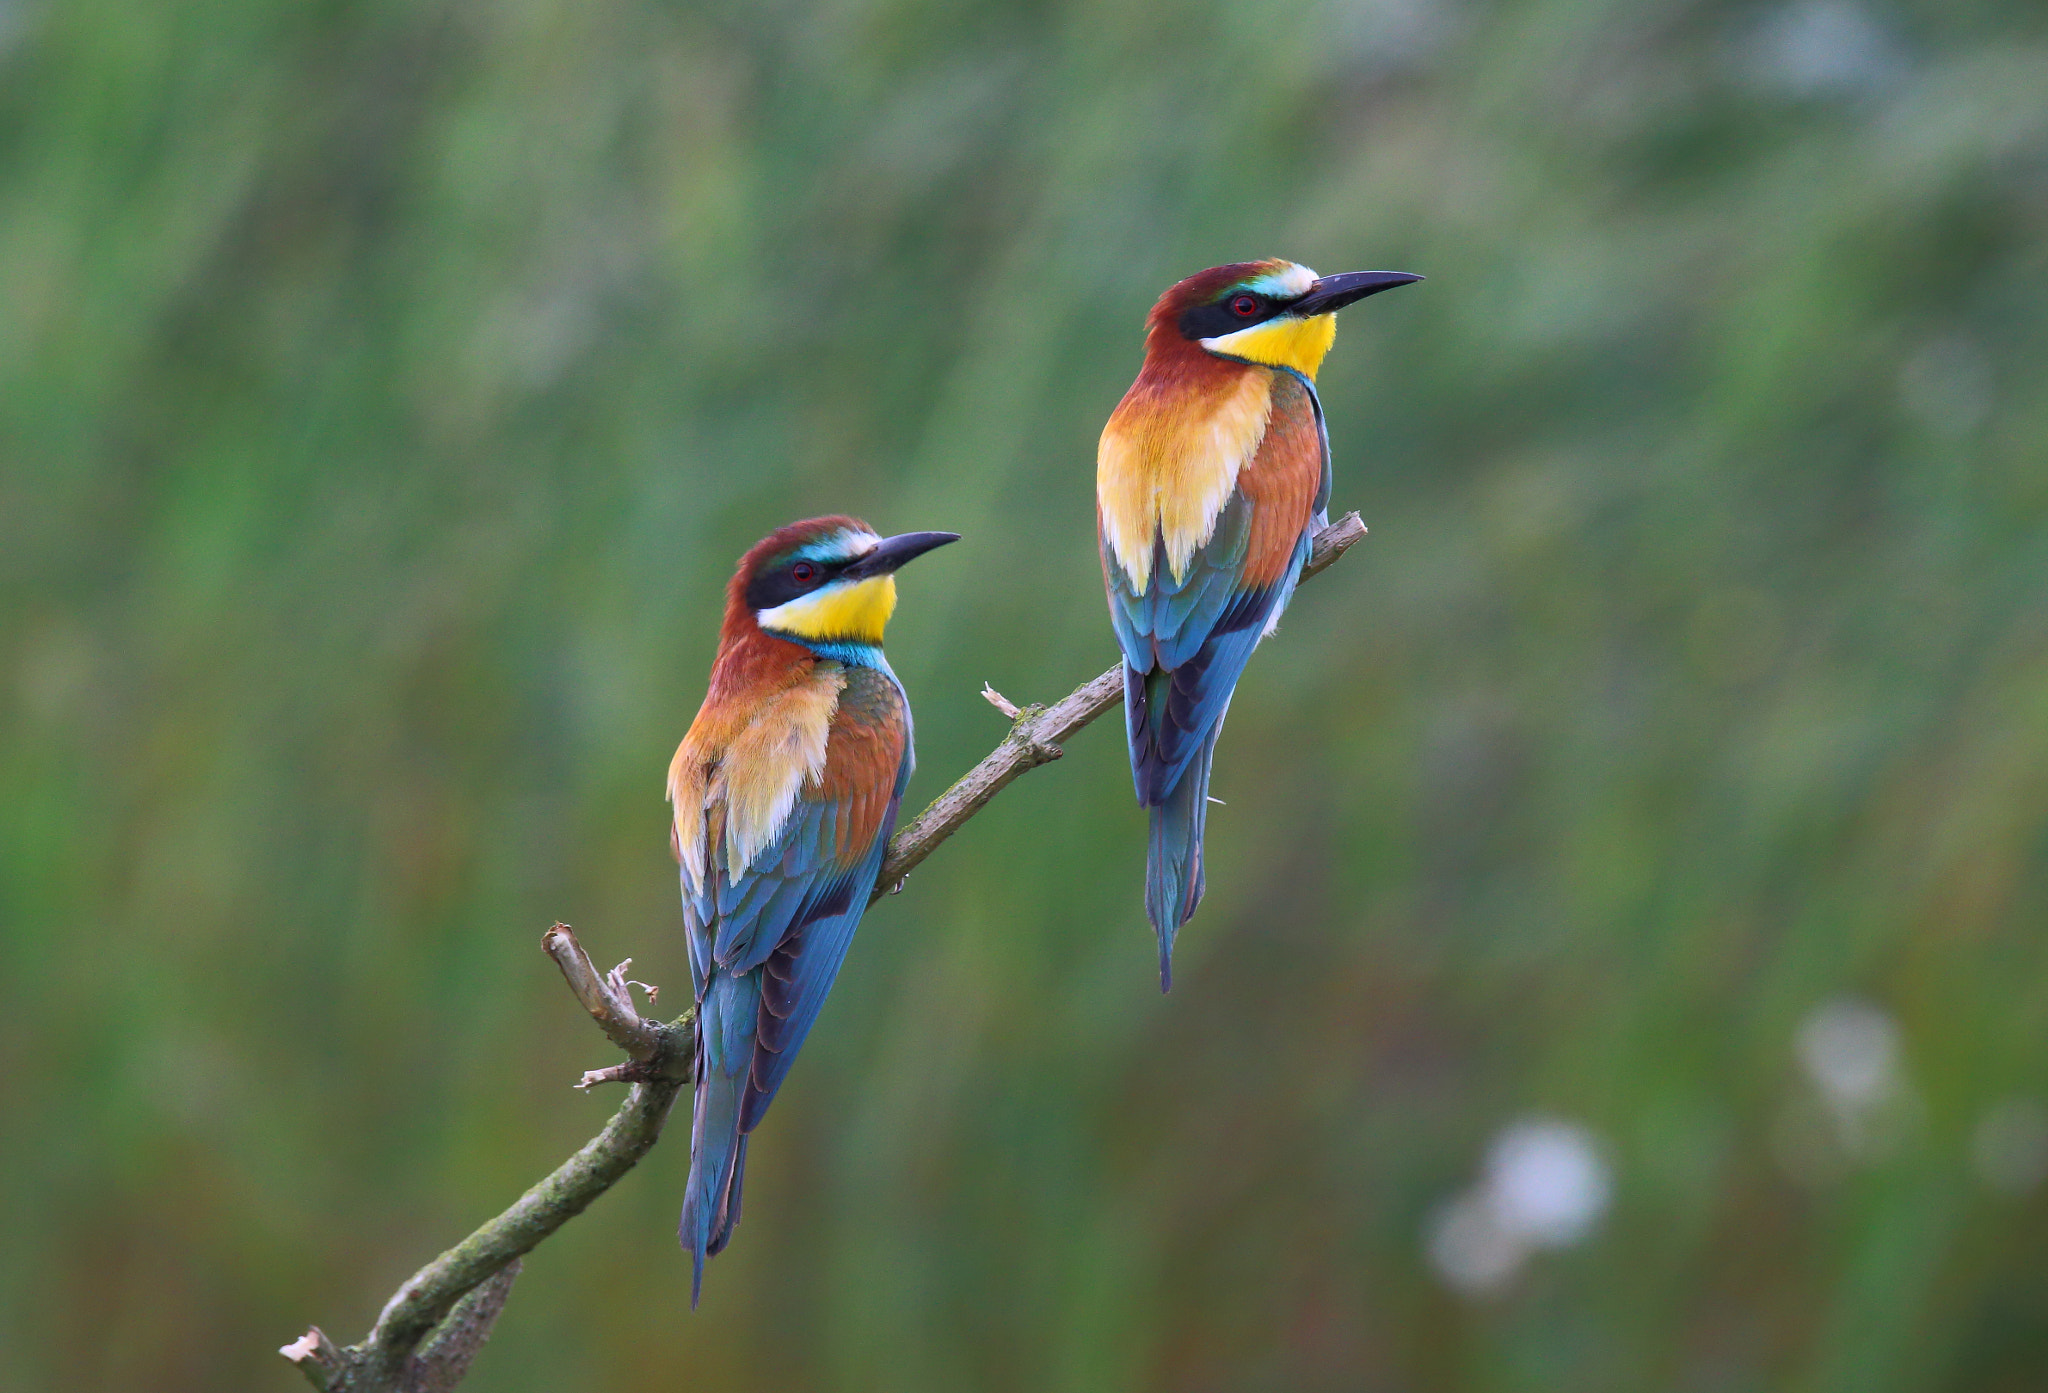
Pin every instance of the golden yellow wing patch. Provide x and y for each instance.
(738, 787)
(1166, 465)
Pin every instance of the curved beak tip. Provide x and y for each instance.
(893, 552)
(1334, 292)
(918, 543)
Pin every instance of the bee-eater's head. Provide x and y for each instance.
(1273, 313)
(827, 583)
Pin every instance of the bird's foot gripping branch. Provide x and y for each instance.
(433, 1326)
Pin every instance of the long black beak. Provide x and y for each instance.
(1335, 292)
(893, 552)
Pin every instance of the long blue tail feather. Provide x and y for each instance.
(725, 1045)
(1173, 863)
(730, 1219)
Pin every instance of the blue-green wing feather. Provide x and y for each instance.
(1186, 642)
(799, 974)
(764, 951)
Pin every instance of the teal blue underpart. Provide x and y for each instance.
(868, 655)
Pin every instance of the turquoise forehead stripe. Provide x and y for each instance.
(1283, 284)
(840, 546)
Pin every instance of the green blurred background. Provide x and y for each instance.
(386, 390)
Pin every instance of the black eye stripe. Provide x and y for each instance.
(779, 584)
(1223, 316)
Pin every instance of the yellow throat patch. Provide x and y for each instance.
(1282, 342)
(856, 613)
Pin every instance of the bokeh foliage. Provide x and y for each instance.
(386, 389)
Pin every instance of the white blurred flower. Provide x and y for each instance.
(1469, 1249)
(2010, 1146)
(1850, 1050)
(1544, 1185)
(1546, 1182)
(1861, 1109)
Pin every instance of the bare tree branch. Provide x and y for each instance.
(433, 1325)
(444, 1359)
(435, 1303)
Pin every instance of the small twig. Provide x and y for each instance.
(605, 997)
(316, 1357)
(632, 1071)
(445, 1310)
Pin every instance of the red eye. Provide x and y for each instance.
(1245, 306)
(804, 572)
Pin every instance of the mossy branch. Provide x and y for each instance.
(451, 1303)
(435, 1323)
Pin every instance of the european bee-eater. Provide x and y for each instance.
(1212, 476)
(785, 791)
